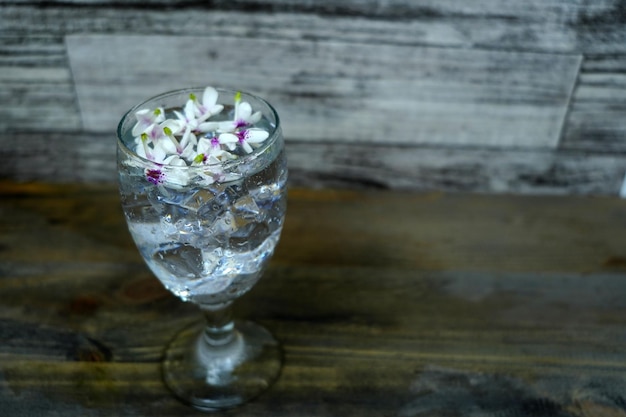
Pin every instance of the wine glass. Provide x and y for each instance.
(207, 228)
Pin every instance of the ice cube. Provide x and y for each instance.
(209, 203)
(224, 225)
(154, 197)
(168, 226)
(223, 198)
(250, 236)
(198, 200)
(211, 259)
(266, 195)
(246, 208)
(188, 231)
(212, 285)
(234, 191)
(170, 196)
(182, 261)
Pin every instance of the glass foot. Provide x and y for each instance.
(211, 377)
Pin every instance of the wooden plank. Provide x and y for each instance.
(91, 158)
(30, 29)
(596, 119)
(58, 157)
(468, 170)
(348, 92)
(36, 87)
(547, 26)
(518, 234)
(504, 304)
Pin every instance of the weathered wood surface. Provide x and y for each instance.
(388, 304)
(539, 75)
(560, 26)
(343, 92)
(67, 157)
(599, 106)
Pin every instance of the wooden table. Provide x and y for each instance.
(387, 303)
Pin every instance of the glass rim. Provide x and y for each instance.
(274, 134)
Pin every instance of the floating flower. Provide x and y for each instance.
(243, 117)
(146, 118)
(184, 148)
(212, 148)
(247, 138)
(192, 139)
(150, 149)
(209, 106)
(155, 176)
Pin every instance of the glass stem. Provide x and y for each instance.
(220, 327)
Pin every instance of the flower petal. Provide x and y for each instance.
(256, 135)
(168, 147)
(204, 145)
(174, 160)
(255, 118)
(209, 97)
(209, 126)
(188, 154)
(244, 111)
(143, 121)
(190, 108)
(216, 109)
(180, 116)
(188, 138)
(246, 147)
(227, 126)
(176, 126)
(229, 140)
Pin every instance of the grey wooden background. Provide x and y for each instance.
(455, 95)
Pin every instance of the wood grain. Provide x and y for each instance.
(553, 26)
(453, 169)
(599, 105)
(340, 91)
(36, 87)
(443, 303)
(487, 47)
(84, 158)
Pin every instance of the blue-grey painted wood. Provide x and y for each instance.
(597, 120)
(86, 157)
(36, 86)
(39, 104)
(343, 92)
(556, 26)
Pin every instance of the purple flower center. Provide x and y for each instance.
(242, 136)
(215, 142)
(155, 176)
(240, 124)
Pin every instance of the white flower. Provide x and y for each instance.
(185, 147)
(212, 148)
(176, 178)
(154, 153)
(191, 139)
(187, 119)
(174, 160)
(155, 176)
(149, 143)
(209, 106)
(147, 118)
(247, 138)
(243, 118)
